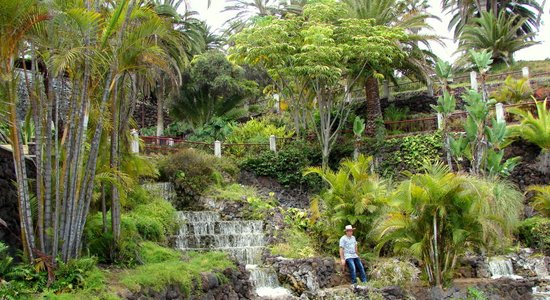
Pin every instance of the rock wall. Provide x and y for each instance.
(145, 114)
(9, 211)
(308, 274)
(237, 287)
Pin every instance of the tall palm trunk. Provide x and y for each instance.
(374, 112)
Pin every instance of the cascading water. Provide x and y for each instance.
(501, 267)
(204, 230)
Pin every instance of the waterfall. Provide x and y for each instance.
(244, 240)
(500, 267)
(164, 190)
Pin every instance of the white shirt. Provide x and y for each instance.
(348, 244)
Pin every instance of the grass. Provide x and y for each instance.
(184, 274)
(233, 192)
(152, 253)
(297, 244)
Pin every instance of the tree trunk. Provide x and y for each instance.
(374, 112)
(160, 109)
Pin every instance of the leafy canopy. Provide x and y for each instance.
(213, 86)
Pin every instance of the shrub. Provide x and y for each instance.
(286, 166)
(184, 274)
(193, 171)
(535, 233)
(409, 153)
(257, 131)
(296, 244)
(155, 220)
(513, 91)
(393, 272)
(215, 130)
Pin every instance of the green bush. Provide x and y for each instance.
(183, 274)
(286, 166)
(76, 276)
(393, 272)
(155, 220)
(535, 233)
(257, 131)
(215, 130)
(409, 153)
(296, 244)
(193, 171)
(100, 243)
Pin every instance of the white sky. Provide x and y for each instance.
(215, 18)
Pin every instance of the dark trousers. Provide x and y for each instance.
(354, 265)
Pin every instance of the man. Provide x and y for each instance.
(348, 255)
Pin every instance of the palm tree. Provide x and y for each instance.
(498, 34)
(355, 195)
(17, 20)
(464, 11)
(412, 18)
(535, 130)
(246, 11)
(437, 215)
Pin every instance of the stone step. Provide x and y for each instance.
(220, 240)
(221, 227)
(245, 255)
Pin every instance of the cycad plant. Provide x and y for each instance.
(536, 130)
(355, 195)
(499, 34)
(436, 216)
(541, 199)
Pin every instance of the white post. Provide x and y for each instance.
(439, 121)
(218, 149)
(134, 148)
(171, 142)
(277, 103)
(272, 143)
(473, 80)
(499, 108)
(525, 72)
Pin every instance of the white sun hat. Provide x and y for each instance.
(349, 227)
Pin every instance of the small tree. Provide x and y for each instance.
(437, 216)
(358, 129)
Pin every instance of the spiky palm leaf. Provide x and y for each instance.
(436, 215)
(496, 34)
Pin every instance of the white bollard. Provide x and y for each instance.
(272, 143)
(170, 142)
(277, 102)
(134, 148)
(525, 72)
(499, 108)
(439, 121)
(473, 80)
(218, 149)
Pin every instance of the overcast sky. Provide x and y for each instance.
(215, 18)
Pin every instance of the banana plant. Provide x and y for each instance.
(358, 130)
(446, 105)
(444, 72)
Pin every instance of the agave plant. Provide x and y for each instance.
(437, 215)
(535, 130)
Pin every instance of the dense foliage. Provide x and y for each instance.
(193, 171)
(286, 166)
(211, 87)
(436, 216)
